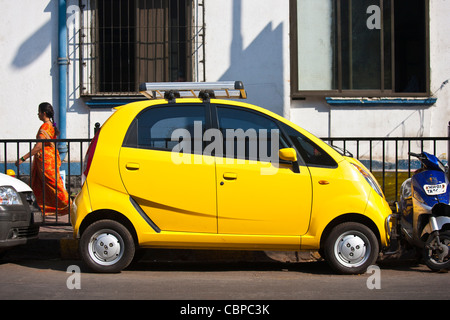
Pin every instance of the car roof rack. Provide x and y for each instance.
(202, 90)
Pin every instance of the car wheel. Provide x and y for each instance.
(107, 246)
(351, 248)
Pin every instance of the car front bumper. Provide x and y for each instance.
(19, 224)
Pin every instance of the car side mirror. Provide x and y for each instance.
(288, 154)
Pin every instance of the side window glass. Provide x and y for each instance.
(154, 127)
(311, 153)
(248, 135)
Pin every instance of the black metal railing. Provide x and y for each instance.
(70, 169)
(387, 158)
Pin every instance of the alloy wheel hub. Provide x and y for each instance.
(105, 248)
(351, 249)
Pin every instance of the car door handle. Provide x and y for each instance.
(132, 166)
(230, 176)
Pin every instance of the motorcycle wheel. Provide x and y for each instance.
(438, 257)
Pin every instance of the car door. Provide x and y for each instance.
(175, 188)
(254, 196)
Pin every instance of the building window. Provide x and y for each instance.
(127, 42)
(360, 47)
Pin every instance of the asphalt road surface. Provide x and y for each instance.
(62, 279)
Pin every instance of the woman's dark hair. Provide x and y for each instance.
(47, 108)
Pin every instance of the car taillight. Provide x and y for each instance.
(89, 156)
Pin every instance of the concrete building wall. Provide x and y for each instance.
(246, 40)
(28, 68)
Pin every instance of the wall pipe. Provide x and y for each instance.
(63, 62)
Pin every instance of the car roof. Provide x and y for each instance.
(170, 93)
(19, 185)
(136, 107)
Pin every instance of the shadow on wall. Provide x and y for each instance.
(33, 47)
(36, 45)
(260, 65)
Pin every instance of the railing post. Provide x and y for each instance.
(96, 127)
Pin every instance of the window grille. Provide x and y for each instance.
(127, 42)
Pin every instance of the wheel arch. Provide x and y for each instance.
(349, 217)
(108, 215)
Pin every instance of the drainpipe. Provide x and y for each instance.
(63, 61)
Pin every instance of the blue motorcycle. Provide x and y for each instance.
(424, 212)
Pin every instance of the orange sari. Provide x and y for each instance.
(46, 180)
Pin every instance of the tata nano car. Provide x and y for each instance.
(207, 173)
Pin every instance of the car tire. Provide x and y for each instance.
(351, 248)
(431, 256)
(106, 246)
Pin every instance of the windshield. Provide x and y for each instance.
(342, 151)
(442, 166)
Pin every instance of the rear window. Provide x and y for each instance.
(153, 127)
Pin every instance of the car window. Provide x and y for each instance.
(248, 135)
(154, 127)
(312, 154)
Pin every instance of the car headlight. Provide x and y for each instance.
(369, 180)
(30, 197)
(9, 196)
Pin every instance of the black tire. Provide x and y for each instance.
(107, 246)
(351, 248)
(431, 257)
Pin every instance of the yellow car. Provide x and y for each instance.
(185, 169)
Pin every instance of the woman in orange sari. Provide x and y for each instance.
(46, 180)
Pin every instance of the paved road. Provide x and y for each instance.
(49, 279)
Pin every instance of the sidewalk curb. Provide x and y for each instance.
(69, 249)
(55, 247)
(58, 243)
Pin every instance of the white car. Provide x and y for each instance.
(20, 216)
